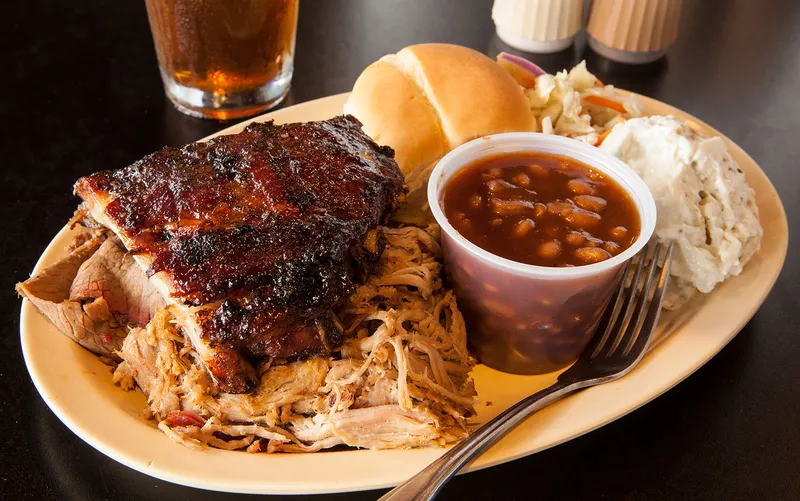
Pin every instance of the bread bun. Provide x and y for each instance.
(429, 98)
(395, 112)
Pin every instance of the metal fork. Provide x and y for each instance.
(619, 343)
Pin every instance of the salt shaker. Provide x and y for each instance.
(541, 26)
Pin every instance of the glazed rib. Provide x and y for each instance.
(253, 238)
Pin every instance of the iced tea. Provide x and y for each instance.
(224, 58)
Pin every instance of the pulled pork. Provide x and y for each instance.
(401, 378)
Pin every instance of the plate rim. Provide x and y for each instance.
(163, 473)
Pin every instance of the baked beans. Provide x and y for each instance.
(541, 209)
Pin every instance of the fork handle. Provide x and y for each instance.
(426, 484)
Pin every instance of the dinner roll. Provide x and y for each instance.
(395, 112)
(429, 98)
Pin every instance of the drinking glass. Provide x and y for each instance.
(224, 59)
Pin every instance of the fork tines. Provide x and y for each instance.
(632, 315)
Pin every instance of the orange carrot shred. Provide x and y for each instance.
(605, 102)
(602, 137)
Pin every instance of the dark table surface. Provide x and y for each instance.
(81, 92)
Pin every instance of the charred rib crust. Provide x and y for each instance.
(266, 231)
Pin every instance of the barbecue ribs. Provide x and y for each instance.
(253, 238)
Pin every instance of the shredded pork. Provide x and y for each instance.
(400, 380)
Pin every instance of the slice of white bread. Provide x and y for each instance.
(428, 99)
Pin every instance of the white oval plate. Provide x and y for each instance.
(78, 388)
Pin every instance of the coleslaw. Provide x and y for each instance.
(575, 103)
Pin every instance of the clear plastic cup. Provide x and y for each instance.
(522, 318)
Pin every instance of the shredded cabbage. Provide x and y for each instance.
(558, 103)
